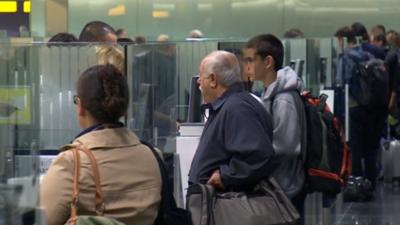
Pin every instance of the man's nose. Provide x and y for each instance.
(248, 70)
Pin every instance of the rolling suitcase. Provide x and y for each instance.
(391, 161)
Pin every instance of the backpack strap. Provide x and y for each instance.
(322, 102)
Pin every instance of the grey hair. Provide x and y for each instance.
(225, 65)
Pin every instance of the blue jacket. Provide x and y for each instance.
(236, 140)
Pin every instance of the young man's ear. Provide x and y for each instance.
(269, 62)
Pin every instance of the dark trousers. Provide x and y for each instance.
(366, 126)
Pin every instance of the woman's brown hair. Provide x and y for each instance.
(103, 91)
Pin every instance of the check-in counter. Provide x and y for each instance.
(186, 145)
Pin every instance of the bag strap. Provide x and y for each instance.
(167, 199)
(75, 194)
(98, 195)
(322, 102)
(271, 187)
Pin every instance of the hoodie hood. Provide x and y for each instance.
(287, 80)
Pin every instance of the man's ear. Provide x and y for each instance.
(269, 62)
(213, 80)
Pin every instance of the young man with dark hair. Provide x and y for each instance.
(360, 31)
(264, 57)
(345, 32)
(98, 31)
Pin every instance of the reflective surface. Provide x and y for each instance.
(232, 18)
(384, 210)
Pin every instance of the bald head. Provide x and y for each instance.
(195, 34)
(224, 65)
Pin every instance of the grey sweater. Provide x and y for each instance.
(284, 105)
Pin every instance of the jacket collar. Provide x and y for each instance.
(217, 104)
(105, 138)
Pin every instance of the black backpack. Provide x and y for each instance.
(328, 161)
(369, 82)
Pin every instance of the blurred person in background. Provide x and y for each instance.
(195, 34)
(293, 33)
(121, 33)
(110, 55)
(393, 39)
(140, 39)
(63, 38)
(98, 31)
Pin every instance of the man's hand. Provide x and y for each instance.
(215, 180)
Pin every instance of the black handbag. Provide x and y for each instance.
(266, 204)
(169, 213)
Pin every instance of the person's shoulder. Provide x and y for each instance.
(241, 98)
(377, 52)
(351, 52)
(357, 53)
(244, 103)
(63, 160)
(256, 98)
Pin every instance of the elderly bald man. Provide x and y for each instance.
(235, 148)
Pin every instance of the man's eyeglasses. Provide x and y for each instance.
(75, 99)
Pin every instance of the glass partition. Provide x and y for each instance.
(37, 85)
(58, 72)
(153, 81)
(159, 76)
(37, 116)
(189, 56)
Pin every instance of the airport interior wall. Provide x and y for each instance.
(232, 18)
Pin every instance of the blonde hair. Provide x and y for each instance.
(107, 54)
